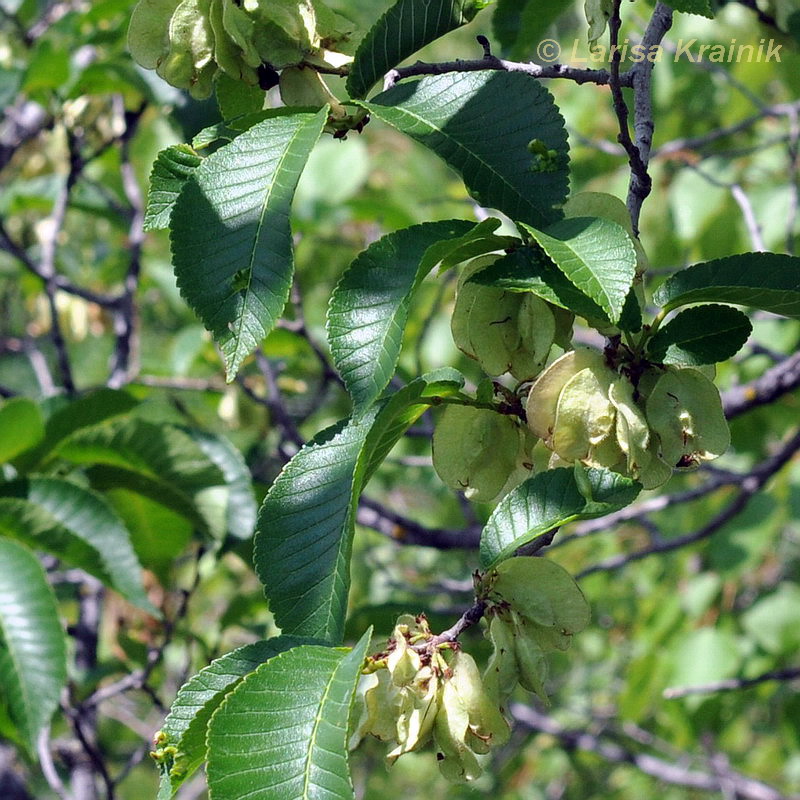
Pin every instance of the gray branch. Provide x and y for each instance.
(675, 773)
(733, 684)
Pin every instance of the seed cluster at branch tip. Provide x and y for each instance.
(188, 42)
(642, 421)
(412, 693)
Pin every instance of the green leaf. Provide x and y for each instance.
(21, 427)
(231, 239)
(701, 335)
(107, 478)
(33, 653)
(186, 724)
(768, 281)
(171, 170)
(607, 206)
(238, 500)
(478, 242)
(160, 461)
(705, 655)
(282, 733)
(596, 255)
(631, 317)
(403, 409)
(518, 24)
(78, 526)
(405, 28)
(158, 534)
(701, 7)
(774, 620)
(227, 131)
(529, 269)
(369, 306)
(236, 98)
(304, 533)
(305, 527)
(548, 500)
(74, 416)
(158, 450)
(481, 124)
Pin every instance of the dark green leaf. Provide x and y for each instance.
(74, 416)
(304, 533)
(236, 98)
(481, 124)
(403, 409)
(33, 652)
(369, 306)
(171, 170)
(761, 280)
(701, 7)
(520, 24)
(529, 269)
(305, 527)
(160, 461)
(282, 733)
(161, 451)
(231, 240)
(186, 724)
(227, 131)
(238, 500)
(478, 242)
(158, 534)
(548, 500)
(793, 25)
(700, 335)
(405, 28)
(108, 478)
(21, 427)
(507, 21)
(631, 317)
(78, 526)
(596, 255)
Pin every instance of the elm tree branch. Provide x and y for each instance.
(469, 618)
(699, 142)
(643, 125)
(793, 155)
(675, 773)
(775, 382)
(733, 684)
(124, 363)
(601, 77)
(52, 228)
(748, 486)
(372, 514)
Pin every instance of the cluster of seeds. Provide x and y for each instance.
(422, 688)
(187, 42)
(613, 408)
(417, 691)
(642, 424)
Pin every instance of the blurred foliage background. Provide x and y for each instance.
(80, 128)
